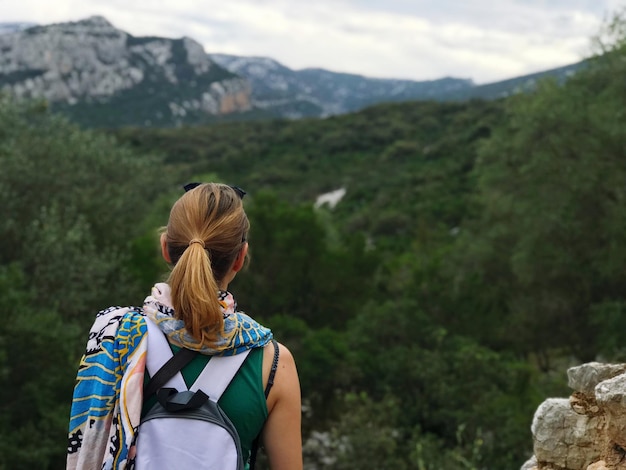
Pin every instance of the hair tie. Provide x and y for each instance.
(197, 240)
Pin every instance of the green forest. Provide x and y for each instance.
(478, 252)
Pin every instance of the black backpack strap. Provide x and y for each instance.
(270, 382)
(270, 379)
(169, 370)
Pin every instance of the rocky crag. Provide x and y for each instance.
(103, 76)
(588, 430)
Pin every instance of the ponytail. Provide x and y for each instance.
(195, 294)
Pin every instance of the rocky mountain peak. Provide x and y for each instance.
(95, 21)
(91, 26)
(90, 62)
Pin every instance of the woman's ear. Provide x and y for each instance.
(164, 252)
(241, 258)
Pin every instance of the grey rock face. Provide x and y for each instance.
(67, 61)
(90, 62)
(585, 377)
(611, 397)
(565, 438)
(588, 430)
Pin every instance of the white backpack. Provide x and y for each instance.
(187, 429)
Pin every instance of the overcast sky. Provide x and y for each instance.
(485, 40)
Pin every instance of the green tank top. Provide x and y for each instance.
(243, 401)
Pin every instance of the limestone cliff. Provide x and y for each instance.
(588, 430)
(91, 69)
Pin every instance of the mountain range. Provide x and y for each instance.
(101, 76)
(319, 92)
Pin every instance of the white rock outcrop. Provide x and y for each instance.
(588, 430)
(92, 61)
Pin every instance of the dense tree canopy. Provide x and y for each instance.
(550, 237)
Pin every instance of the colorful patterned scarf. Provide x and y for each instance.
(240, 331)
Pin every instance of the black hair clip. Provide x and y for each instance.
(189, 186)
(240, 192)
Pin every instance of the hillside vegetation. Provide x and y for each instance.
(477, 244)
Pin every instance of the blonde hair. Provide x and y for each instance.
(206, 231)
